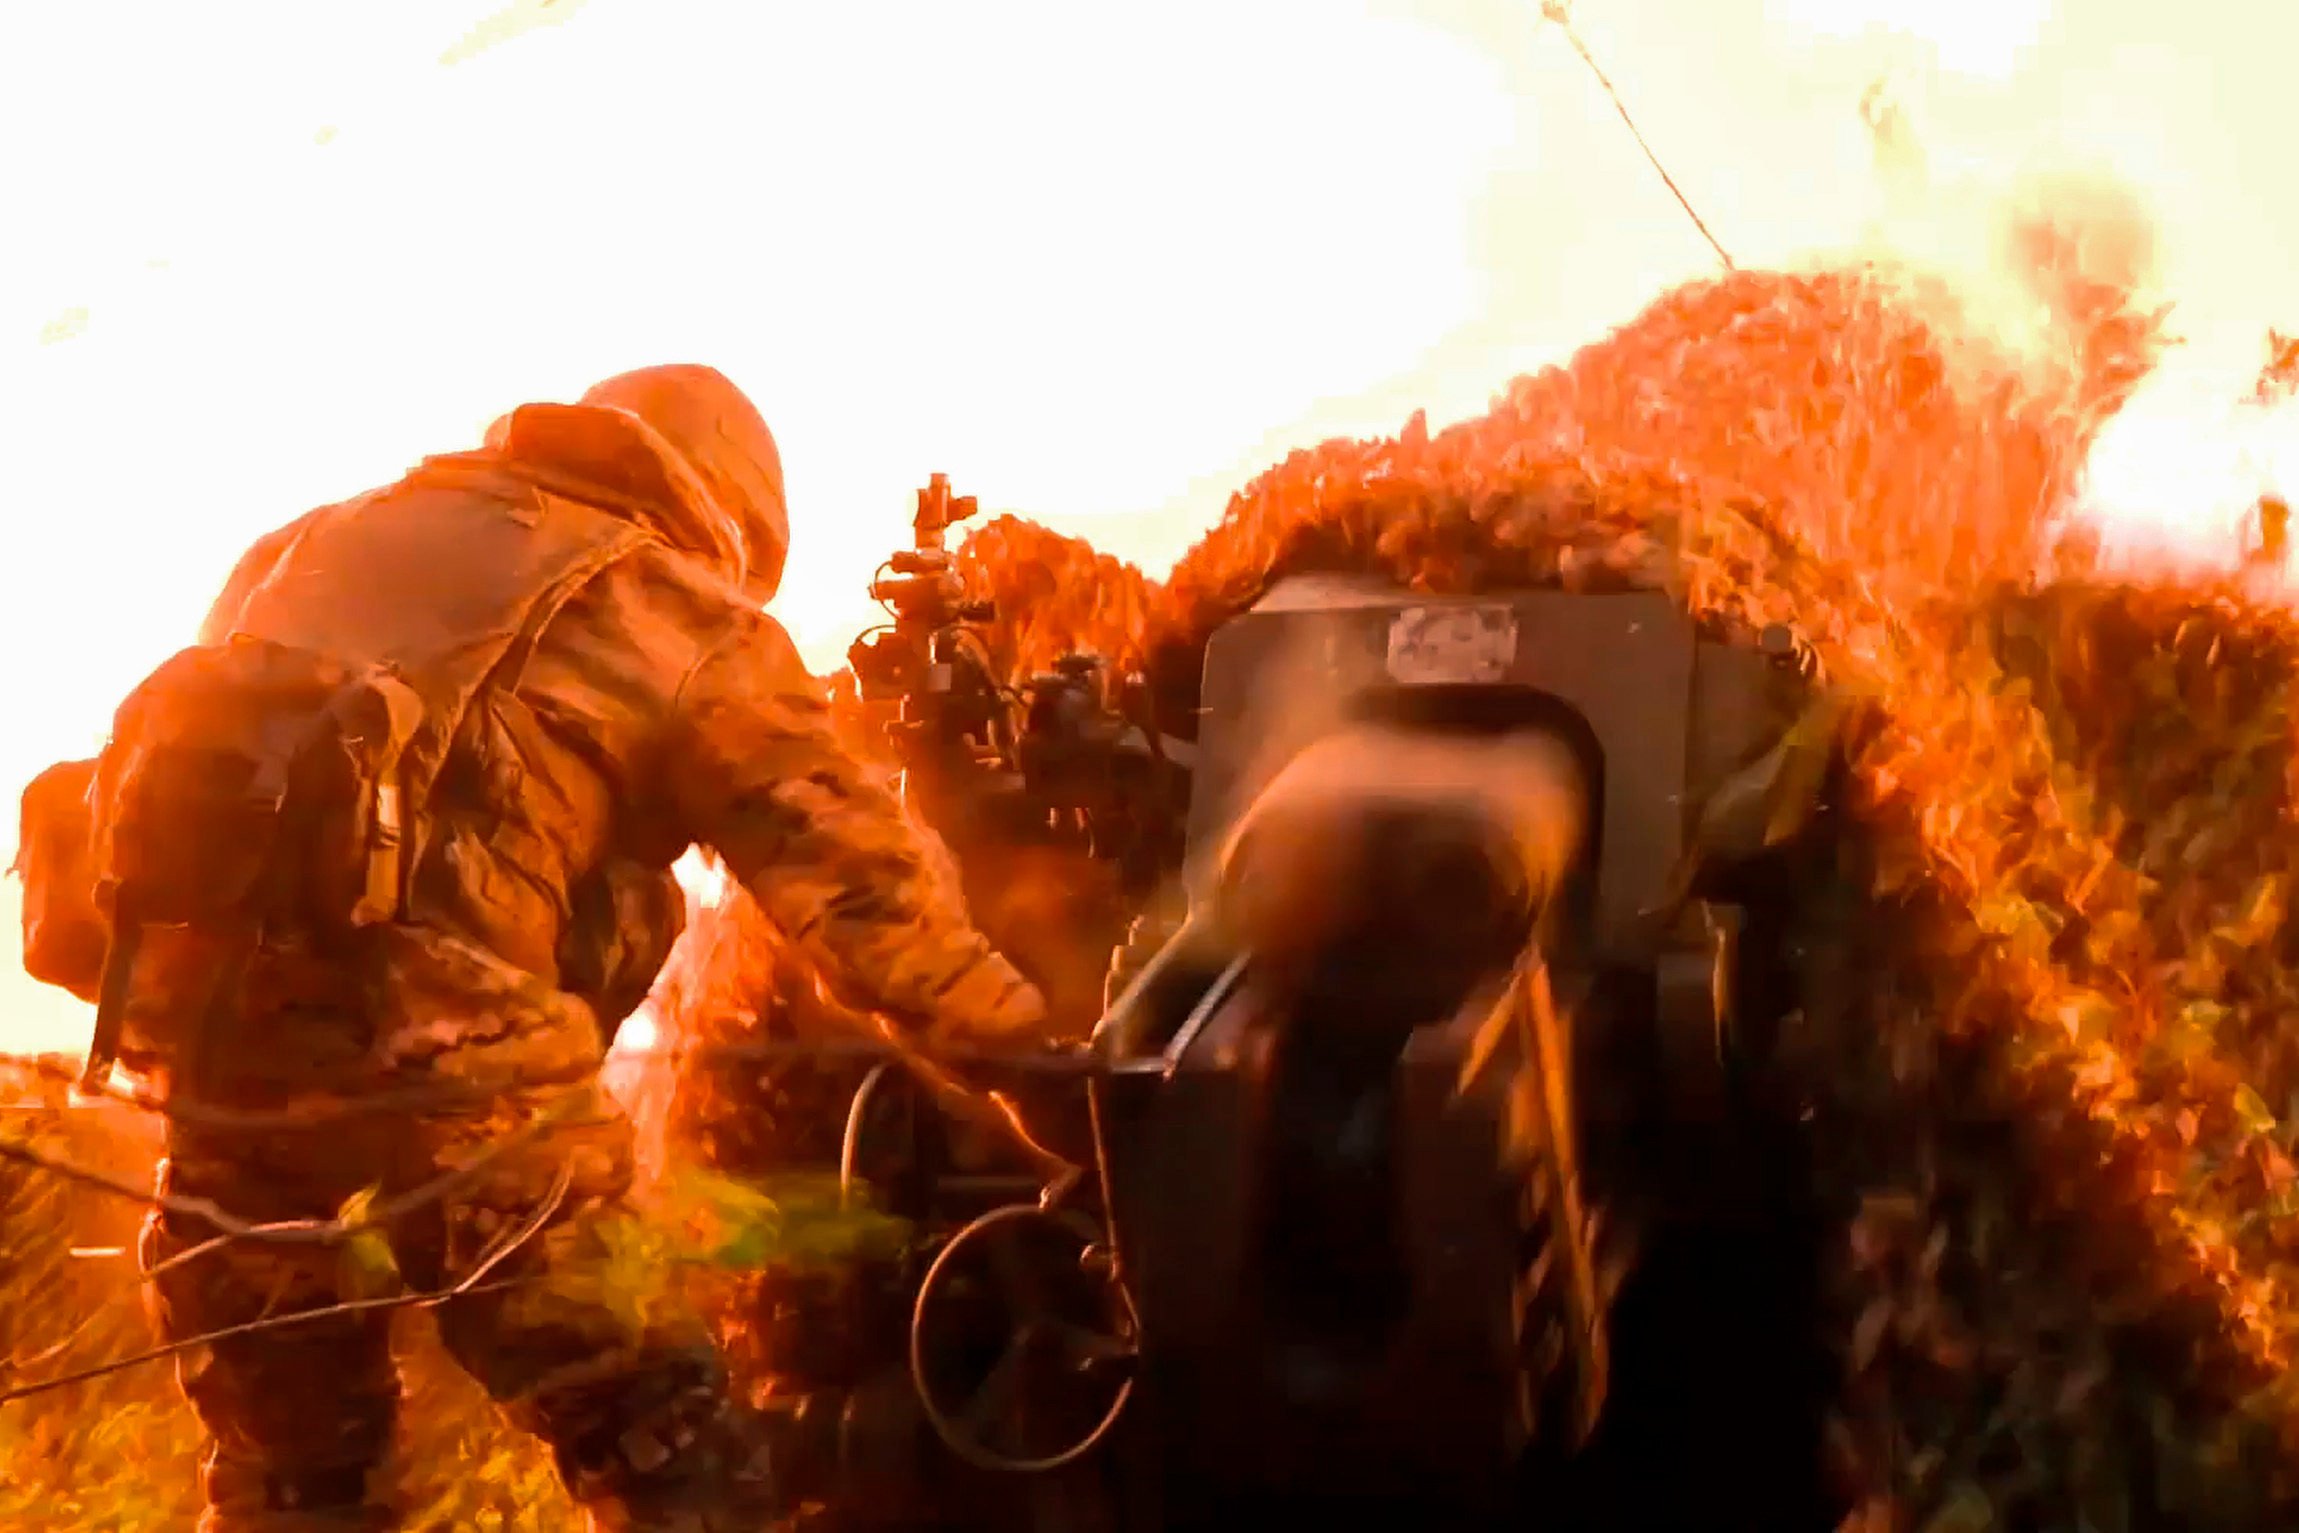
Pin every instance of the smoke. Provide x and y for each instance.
(2175, 479)
(2023, 264)
(2025, 250)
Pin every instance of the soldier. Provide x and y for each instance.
(485, 708)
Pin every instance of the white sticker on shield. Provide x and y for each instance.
(1437, 645)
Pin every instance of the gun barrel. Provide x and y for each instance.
(1386, 856)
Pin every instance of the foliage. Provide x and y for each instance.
(119, 1454)
(697, 1230)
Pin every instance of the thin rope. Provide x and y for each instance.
(1556, 11)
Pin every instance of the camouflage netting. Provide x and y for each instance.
(2056, 1123)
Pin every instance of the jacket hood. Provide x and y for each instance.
(714, 427)
(608, 457)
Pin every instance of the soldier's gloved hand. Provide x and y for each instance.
(992, 1005)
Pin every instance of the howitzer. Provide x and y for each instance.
(1461, 962)
(1438, 855)
(1379, 1286)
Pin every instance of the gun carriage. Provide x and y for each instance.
(1420, 951)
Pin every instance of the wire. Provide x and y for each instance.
(1557, 11)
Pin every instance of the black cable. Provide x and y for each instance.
(1556, 11)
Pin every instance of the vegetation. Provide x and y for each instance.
(119, 1452)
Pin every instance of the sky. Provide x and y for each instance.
(1099, 262)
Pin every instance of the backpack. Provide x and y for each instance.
(64, 934)
(250, 784)
(273, 787)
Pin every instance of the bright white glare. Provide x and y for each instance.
(639, 1032)
(2178, 472)
(702, 876)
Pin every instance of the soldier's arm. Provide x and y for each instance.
(756, 773)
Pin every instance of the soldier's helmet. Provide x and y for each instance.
(719, 432)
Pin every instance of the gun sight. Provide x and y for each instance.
(939, 510)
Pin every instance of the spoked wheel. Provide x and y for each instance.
(1022, 1344)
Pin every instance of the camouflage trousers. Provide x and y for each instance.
(300, 1418)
